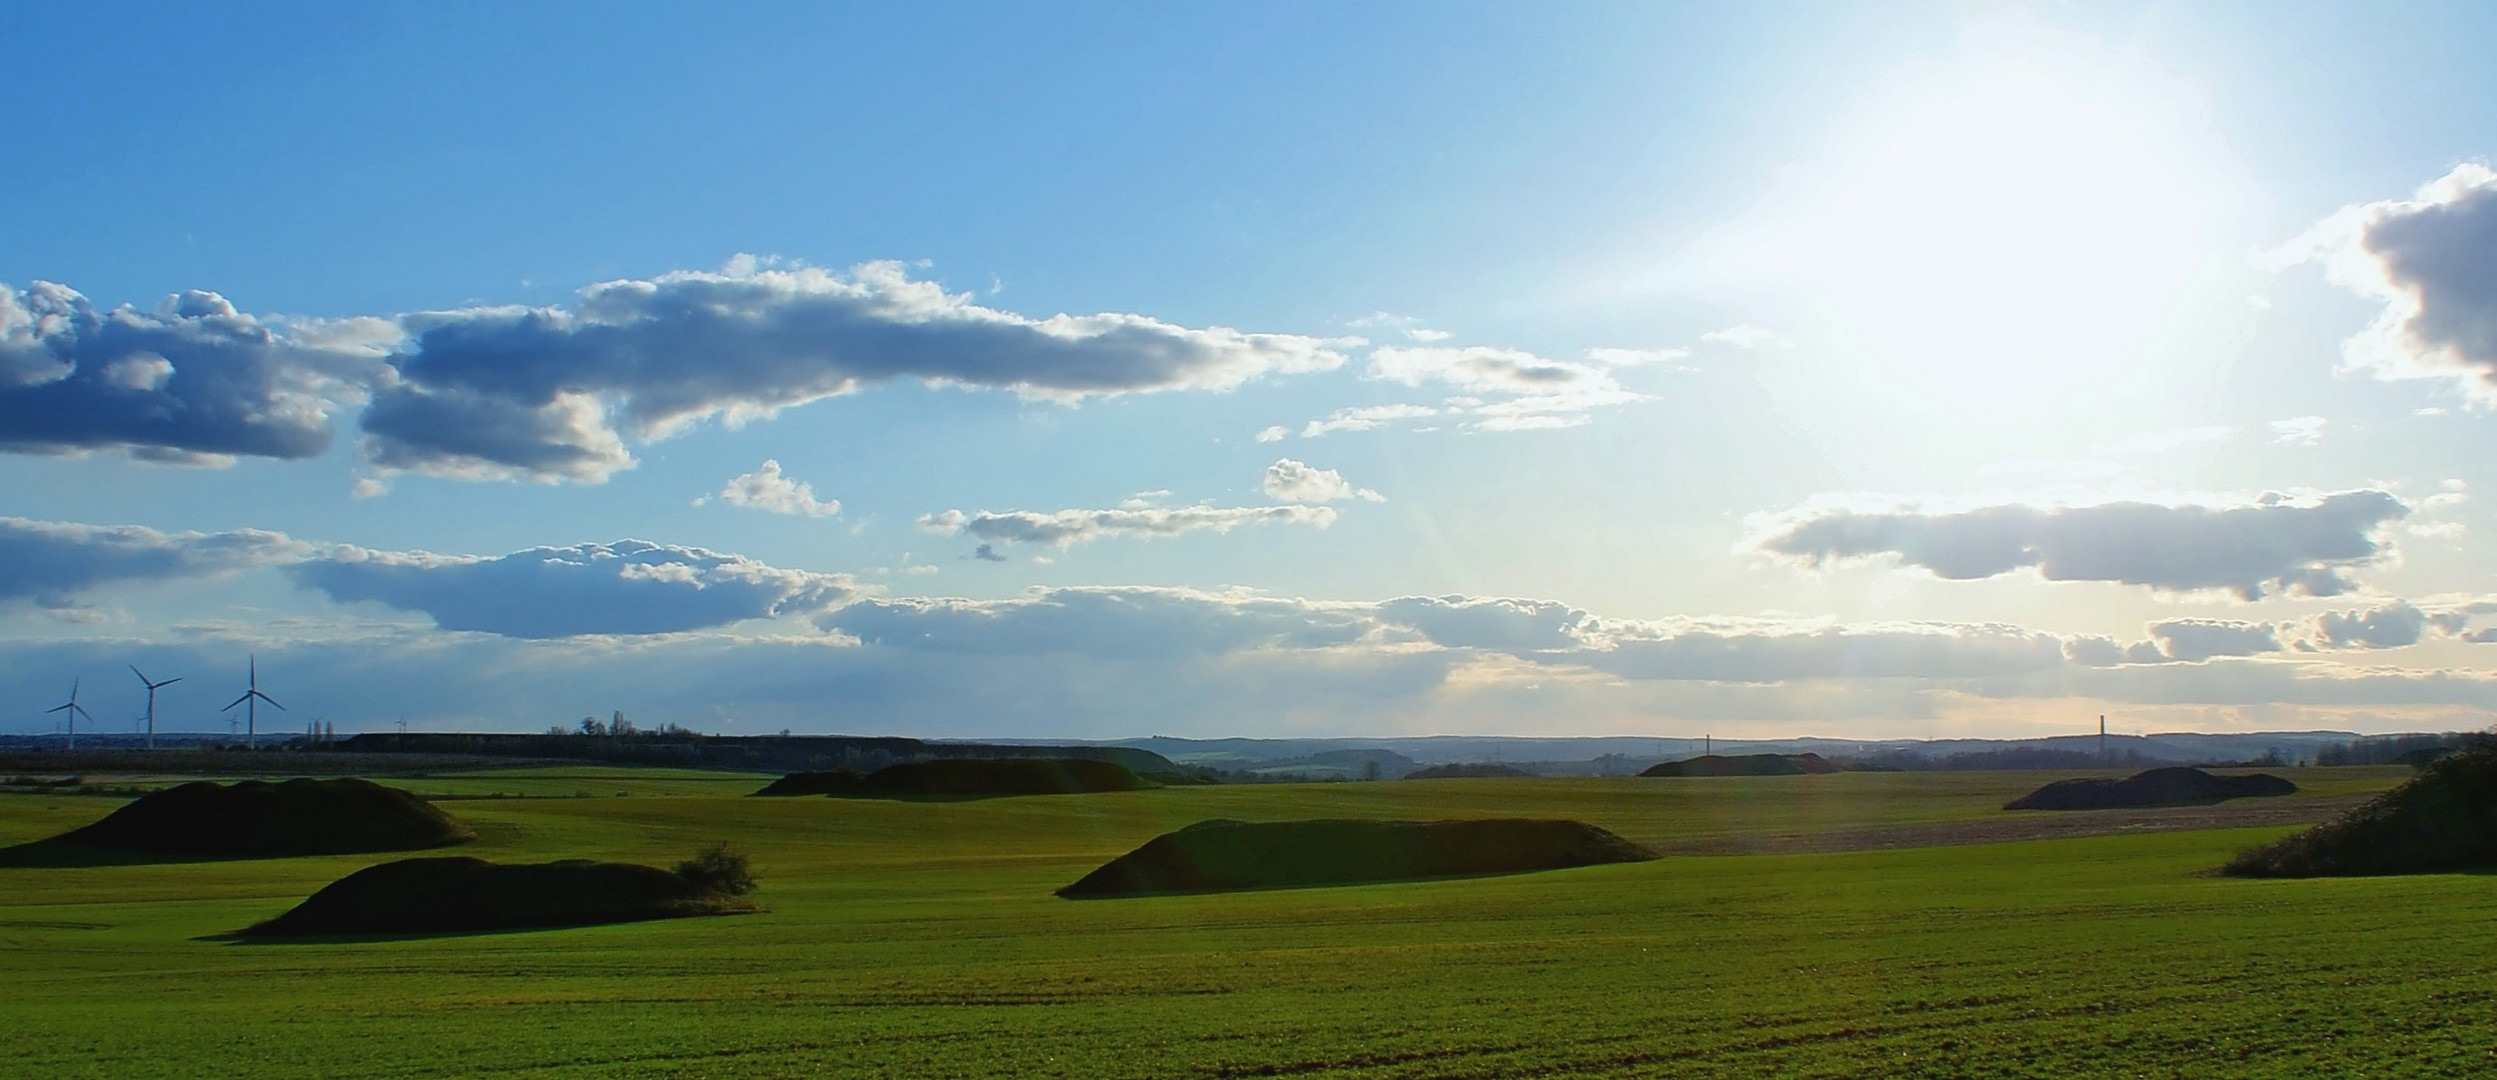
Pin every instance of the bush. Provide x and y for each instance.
(720, 869)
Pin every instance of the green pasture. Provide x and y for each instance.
(920, 939)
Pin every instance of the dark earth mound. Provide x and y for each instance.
(461, 894)
(1219, 856)
(2173, 786)
(968, 778)
(1744, 765)
(258, 818)
(1475, 771)
(2443, 819)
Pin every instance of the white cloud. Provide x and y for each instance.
(1065, 528)
(628, 587)
(1637, 357)
(1293, 481)
(2299, 430)
(2155, 442)
(1407, 325)
(1744, 336)
(2432, 260)
(2249, 547)
(1361, 418)
(769, 489)
(1273, 433)
(552, 393)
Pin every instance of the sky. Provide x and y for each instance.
(1882, 370)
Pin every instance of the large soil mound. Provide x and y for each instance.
(2175, 786)
(967, 778)
(1218, 856)
(437, 895)
(2443, 819)
(1744, 765)
(258, 818)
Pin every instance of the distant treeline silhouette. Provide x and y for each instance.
(2401, 749)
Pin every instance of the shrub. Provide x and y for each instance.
(719, 868)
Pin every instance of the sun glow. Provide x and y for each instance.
(2009, 228)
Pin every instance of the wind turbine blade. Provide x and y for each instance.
(168, 682)
(134, 669)
(59, 708)
(82, 711)
(237, 701)
(270, 700)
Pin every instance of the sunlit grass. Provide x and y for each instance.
(921, 939)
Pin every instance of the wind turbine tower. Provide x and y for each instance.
(152, 687)
(75, 710)
(250, 701)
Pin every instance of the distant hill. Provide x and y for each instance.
(758, 753)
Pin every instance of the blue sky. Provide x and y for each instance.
(1876, 370)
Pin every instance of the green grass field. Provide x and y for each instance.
(921, 940)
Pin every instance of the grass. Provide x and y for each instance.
(920, 940)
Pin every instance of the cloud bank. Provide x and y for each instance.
(1066, 528)
(52, 562)
(2249, 548)
(628, 587)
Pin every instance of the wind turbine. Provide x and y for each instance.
(152, 687)
(250, 701)
(75, 710)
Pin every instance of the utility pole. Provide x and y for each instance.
(2102, 740)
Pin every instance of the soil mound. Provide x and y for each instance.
(2174, 786)
(1466, 771)
(967, 778)
(2443, 819)
(1744, 765)
(1220, 856)
(258, 818)
(457, 893)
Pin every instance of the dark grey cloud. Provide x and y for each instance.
(2271, 544)
(1065, 528)
(52, 562)
(2194, 640)
(559, 388)
(193, 382)
(2388, 626)
(2432, 259)
(628, 587)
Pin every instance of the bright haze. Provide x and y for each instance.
(1884, 370)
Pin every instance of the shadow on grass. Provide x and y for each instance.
(58, 854)
(245, 937)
